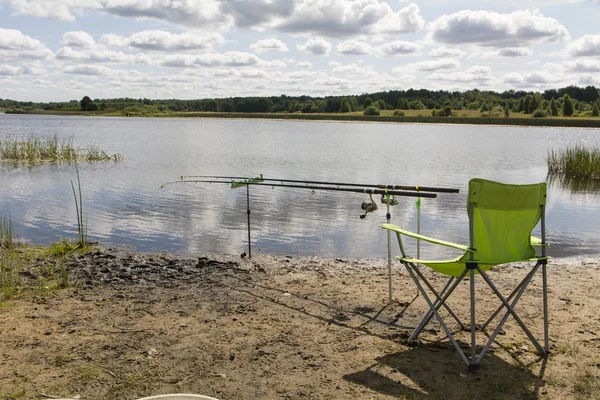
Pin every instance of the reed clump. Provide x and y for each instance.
(35, 149)
(7, 239)
(578, 162)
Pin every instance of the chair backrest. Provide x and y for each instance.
(501, 219)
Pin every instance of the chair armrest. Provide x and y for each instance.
(401, 231)
(536, 241)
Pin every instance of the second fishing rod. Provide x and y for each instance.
(260, 178)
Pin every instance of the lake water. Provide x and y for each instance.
(124, 204)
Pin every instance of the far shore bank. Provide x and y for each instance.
(130, 325)
(422, 117)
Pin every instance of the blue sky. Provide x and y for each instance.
(59, 50)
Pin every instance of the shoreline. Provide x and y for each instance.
(495, 121)
(131, 325)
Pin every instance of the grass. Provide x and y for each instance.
(81, 228)
(36, 269)
(7, 239)
(37, 148)
(578, 162)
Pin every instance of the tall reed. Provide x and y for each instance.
(37, 148)
(81, 228)
(575, 162)
(7, 239)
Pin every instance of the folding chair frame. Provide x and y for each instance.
(508, 303)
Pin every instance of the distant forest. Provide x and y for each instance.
(568, 101)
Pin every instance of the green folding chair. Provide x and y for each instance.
(501, 219)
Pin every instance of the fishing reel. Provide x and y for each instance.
(368, 206)
(389, 200)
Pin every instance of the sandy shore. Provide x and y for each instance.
(132, 325)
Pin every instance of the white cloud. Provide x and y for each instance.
(88, 70)
(99, 55)
(531, 79)
(397, 48)
(203, 14)
(431, 65)
(446, 52)
(588, 45)
(341, 18)
(304, 64)
(271, 44)
(514, 52)
(353, 48)
(78, 39)
(227, 59)
(10, 70)
(493, 29)
(12, 39)
(352, 69)
(478, 75)
(316, 46)
(15, 45)
(583, 65)
(156, 40)
(257, 12)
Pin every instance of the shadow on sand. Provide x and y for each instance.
(429, 370)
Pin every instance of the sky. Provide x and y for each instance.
(61, 50)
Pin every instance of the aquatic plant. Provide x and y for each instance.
(575, 162)
(81, 228)
(6, 232)
(36, 148)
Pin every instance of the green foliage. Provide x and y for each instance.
(36, 149)
(568, 108)
(539, 114)
(380, 104)
(444, 112)
(398, 113)
(575, 162)
(553, 108)
(345, 106)
(368, 102)
(91, 106)
(506, 111)
(371, 110)
(7, 239)
(416, 105)
(84, 103)
(595, 110)
(403, 104)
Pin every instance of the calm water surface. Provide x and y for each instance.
(125, 205)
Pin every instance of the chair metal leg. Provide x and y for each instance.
(425, 319)
(510, 311)
(473, 334)
(545, 290)
(438, 303)
(491, 318)
(435, 312)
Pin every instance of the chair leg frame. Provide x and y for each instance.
(437, 315)
(437, 303)
(441, 300)
(508, 303)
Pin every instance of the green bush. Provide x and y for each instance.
(371, 110)
(539, 114)
(398, 113)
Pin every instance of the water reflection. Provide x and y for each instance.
(125, 205)
(587, 186)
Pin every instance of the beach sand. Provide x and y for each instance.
(277, 327)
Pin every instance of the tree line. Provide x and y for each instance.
(568, 101)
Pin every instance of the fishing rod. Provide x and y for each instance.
(252, 181)
(310, 182)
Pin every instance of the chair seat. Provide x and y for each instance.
(456, 266)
